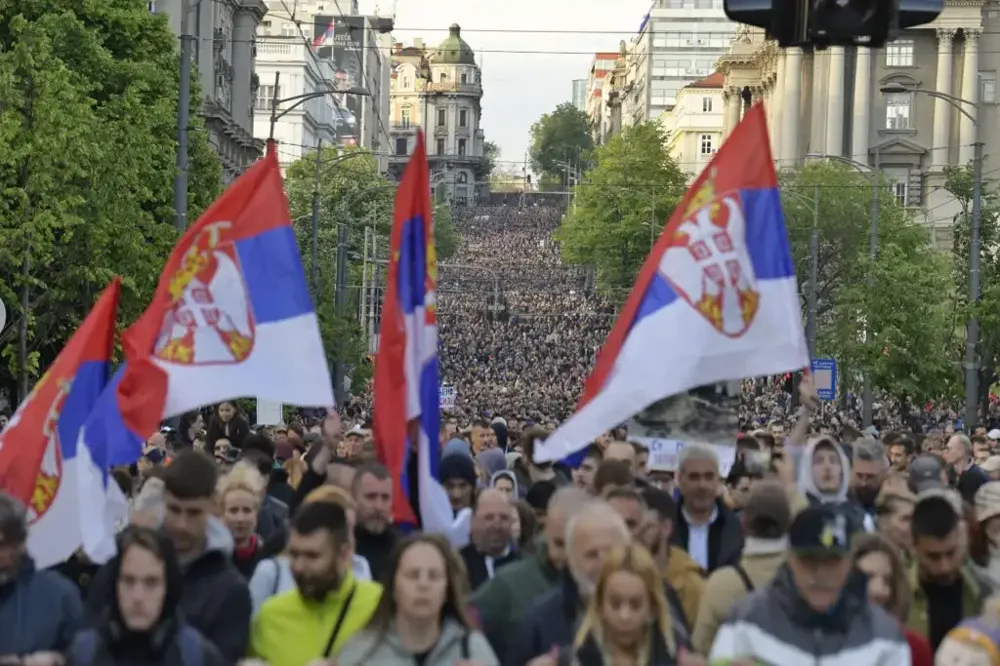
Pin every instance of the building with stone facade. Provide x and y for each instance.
(224, 35)
(831, 102)
(694, 124)
(440, 90)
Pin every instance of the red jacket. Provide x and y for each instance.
(920, 649)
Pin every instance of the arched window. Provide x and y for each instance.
(463, 177)
(443, 77)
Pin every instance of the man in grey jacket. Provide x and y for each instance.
(816, 608)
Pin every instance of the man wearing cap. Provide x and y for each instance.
(816, 608)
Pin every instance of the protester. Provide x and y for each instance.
(40, 611)
(421, 616)
(706, 529)
(491, 547)
(240, 494)
(144, 624)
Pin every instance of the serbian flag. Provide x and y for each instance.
(715, 301)
(406, 418)
(42, 460)
(231, 317)
(324, 37)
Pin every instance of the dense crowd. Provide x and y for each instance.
(518, 328)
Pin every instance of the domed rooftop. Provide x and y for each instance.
(454, 50)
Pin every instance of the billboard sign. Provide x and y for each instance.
(340, 40)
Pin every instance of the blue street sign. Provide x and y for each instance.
(824, 376)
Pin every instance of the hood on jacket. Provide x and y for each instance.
(218, 541)
(456, 446)
(492, 460)
(172, 566)
(853, 599)
(807, 483)
(505, 474)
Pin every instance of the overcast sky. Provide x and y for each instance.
(520, 87)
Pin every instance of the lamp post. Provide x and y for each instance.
(872, 174)
(975, 249)
(300, 100)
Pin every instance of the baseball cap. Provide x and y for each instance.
(988, 501)
(993, 434)
(925, 473)
(819, 531)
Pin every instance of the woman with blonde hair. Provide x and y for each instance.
(240, 493)
(274, 575)
(880, 560)
(421, 617)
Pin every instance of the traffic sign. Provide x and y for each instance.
(824, 376)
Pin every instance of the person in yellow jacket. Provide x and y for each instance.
(328, 604)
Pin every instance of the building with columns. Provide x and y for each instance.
(830, 101)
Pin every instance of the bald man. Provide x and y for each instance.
(492, 520)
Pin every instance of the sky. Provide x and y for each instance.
(519, 87)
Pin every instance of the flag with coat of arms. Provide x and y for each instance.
(715, 301)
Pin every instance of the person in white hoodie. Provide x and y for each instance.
(824, 477)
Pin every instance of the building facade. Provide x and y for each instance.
(579, 98)
(440, 91)
(224, 36)
(678, 43)
(600, 66)
(694, 125)
(303, 128)
(831, 102)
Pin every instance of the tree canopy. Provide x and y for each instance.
(561, 136)
(351, 192)
(908, 307)
(491, 153)
(628, 196)
(88, 125)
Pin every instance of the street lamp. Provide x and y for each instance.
(866, 171)
(301, 99)
(975, 248)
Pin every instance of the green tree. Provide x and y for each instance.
(491, 153)
(959, 183)
(88, 99)
(629, 194)
(908, 307)
(351, 192)
(559, 138)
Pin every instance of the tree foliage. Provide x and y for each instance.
(628, 195)
(491, 154)
(959, 182)
(88, 122)
(560, 136)
(352, 192)
(903, 295)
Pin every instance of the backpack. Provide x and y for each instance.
(84, 648)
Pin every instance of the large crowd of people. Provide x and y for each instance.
(518, 328)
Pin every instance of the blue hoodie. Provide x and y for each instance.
(40, 611)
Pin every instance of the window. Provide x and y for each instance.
(461, 146)
(465, 77)
(440, 147)
(706, 144)
(897, 111)
(401, 146)
(899, 53)
(463, 118)
(443, 77)
(900, 191)
(404, 118)
(462, 177)
(265, 94)
(988, 87)
(288, 29)
(441, 118)
(151, 6)
(406, 83)
(706, 105)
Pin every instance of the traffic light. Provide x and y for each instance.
(823, 23)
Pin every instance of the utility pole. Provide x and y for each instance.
(183, 119)
(813, 275)
(873, 256)
(314, 266)
(339, 299)
(975, 273)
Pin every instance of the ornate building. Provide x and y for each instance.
(831, 102)
(439, 90)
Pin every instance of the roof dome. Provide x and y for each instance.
(454, 50)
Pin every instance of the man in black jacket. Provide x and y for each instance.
(216, 599)
(375, 536)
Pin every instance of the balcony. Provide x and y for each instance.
(403, 128)
(455, 87)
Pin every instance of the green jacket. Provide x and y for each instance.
(503, 601)
(975, 590)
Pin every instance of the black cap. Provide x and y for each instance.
(925, 473)
(819, 531)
